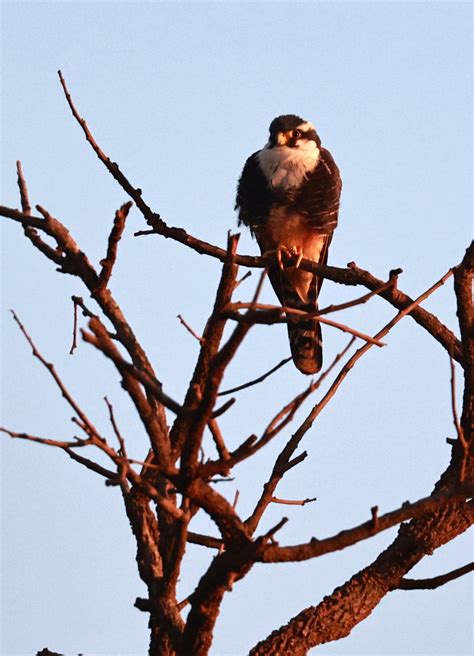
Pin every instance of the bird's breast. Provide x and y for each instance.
(286, 228)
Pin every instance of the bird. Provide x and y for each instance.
(288, 196)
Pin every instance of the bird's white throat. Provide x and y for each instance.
(285, 167)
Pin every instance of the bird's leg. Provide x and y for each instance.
(298, 253)
(277, 252)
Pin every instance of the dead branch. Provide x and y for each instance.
(361, 299)
(352, 602)
(459, 431)
(253, 444)
(269, 315)
(150, 383)
(25, 200)
(90, 464)
(46, 440)
(74, 331)
(218, 439)
(31, 232)
(204, 540)
(436, 581)
(158, 437)
(315, 548)
(114, 238)
(292, 502)
(189, 329)
(122, 448)
(86, 423)
(350, 276)
(255, 381)
(328, 309)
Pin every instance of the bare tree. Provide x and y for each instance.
(163, 493)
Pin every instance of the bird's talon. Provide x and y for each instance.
(281, 266)
(298, 261)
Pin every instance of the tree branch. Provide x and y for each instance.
(436, 581)
(255, 381)
(114, 238)
(85, 422)
(270, 314)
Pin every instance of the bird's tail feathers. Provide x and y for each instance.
(306, 344)
(305, 337)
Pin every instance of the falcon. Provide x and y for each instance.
(288, 195)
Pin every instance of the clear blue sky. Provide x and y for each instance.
(180, 94)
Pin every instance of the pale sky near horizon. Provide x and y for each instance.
(179, 94)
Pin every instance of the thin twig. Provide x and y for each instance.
(204, 540)
(223, 408)
(114, 238)
(374, 511)
(218, 439)
(357, 301)
(293, 502)
(460, 433)
(112, 167)
(287, 413)
(90, 428)
(269, 534)
(74, 329)
(453, 404)
(255, 381)
(190, 330)
(244, 277)
(118, 435)
(30, 232)
(329, 308)
(271, 314)
(78, 300)
(236, 499)
(46, 441)
(182, 604)
(253, 444)
(436, 581)
(25, 201)
(90, 464)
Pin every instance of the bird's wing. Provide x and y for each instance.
(319, 196)
(318, 200)
(254, 197)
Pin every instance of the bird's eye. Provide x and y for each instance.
(296, 134)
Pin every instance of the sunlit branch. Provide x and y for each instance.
(436, 581)
(315, 548)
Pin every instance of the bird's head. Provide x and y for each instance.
(292, 131)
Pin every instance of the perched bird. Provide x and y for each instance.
(288, 195)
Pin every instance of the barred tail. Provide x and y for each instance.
(306, 344)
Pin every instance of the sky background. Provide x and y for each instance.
(180, 94)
